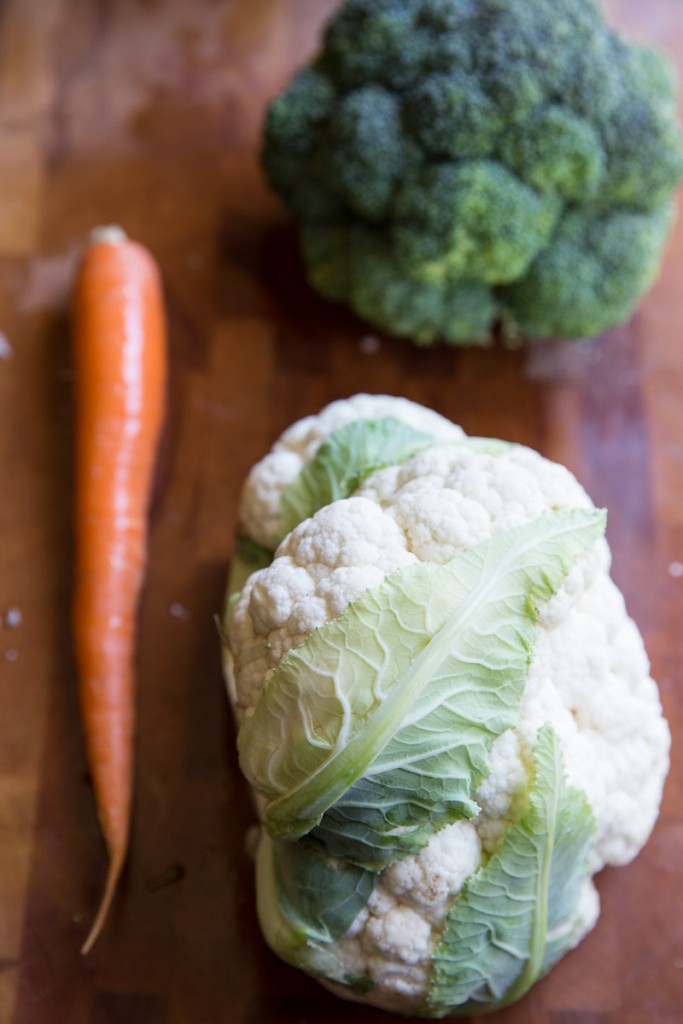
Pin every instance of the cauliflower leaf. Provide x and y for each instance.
(320, 895)
(355, 730)
(518, 914)
(288, 937)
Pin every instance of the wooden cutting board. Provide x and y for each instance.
(148, 114)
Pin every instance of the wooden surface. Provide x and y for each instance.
(147, 114)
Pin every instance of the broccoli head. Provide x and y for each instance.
(456, 162)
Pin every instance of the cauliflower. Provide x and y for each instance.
(444, 709)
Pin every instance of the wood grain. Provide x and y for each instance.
(148, 114)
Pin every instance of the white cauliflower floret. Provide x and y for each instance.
(590, 678)
(503, 792)
(321, 566)
(397, 934)
(450, 497)
(401, 921)
(587, 911)
(262, 493)
(428, 881)
(589, 675)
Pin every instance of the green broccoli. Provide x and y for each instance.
(453, 163)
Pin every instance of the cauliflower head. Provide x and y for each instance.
(444, 710)
(452, 163)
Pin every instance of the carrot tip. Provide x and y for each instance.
(113, 874)
(107, 234)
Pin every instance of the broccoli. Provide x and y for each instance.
(455, 163)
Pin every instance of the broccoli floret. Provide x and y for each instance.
(363, 150)
(359, 261)
(591, 275)
(456, 161)
(451, 117)
(557, 152)
(376, 41)
(470, 220)
(295, 121)
(631, 180)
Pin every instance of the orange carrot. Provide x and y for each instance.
(120, 383)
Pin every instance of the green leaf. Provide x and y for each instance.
(247, 558)
(321, 896)
(304, 901)
(380, 724)
(517, 915)
(343, 461)
(489, 445)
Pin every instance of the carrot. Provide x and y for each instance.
(120, 383)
